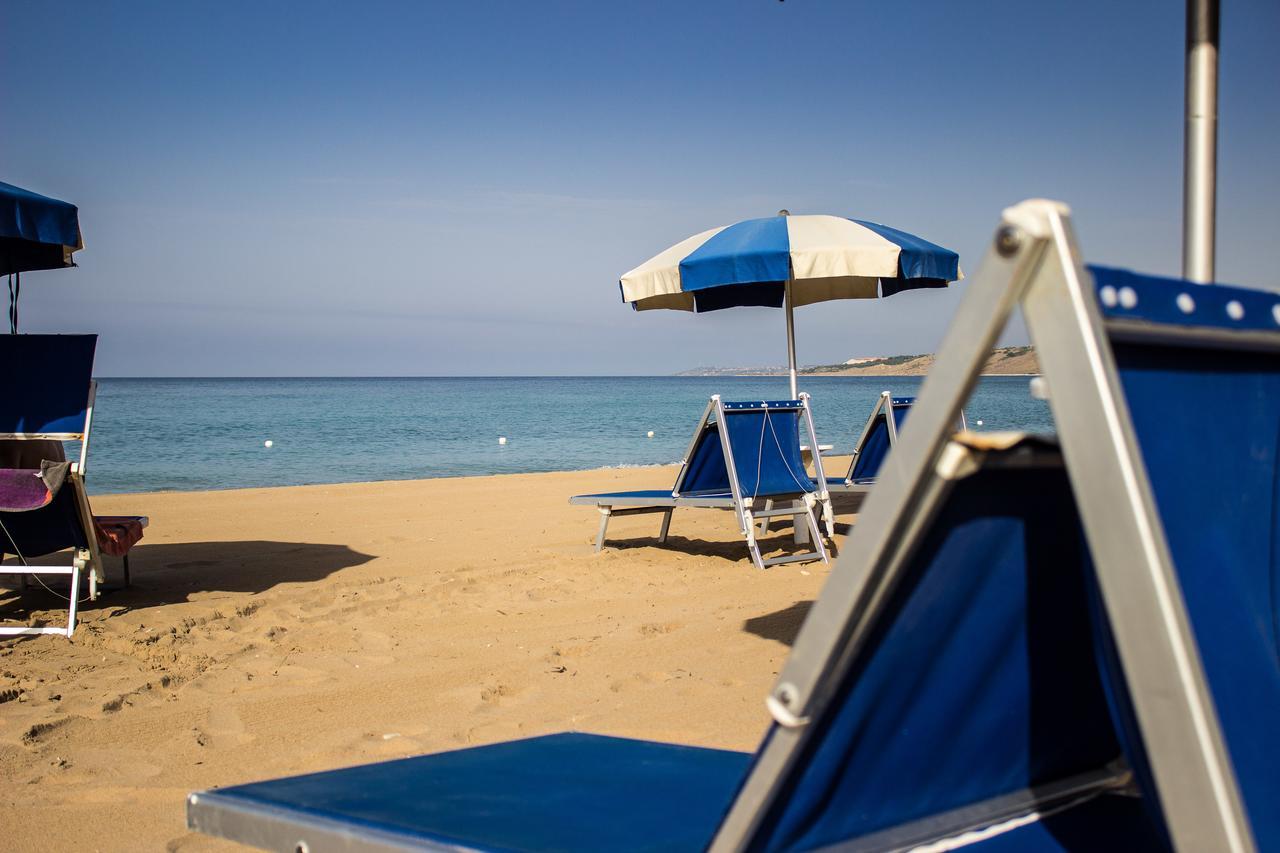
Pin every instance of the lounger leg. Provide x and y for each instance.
(666, 526)
(93, 576)
(126, 571)
(75, 595)
(812, 519)
(801, 527)
(605, 512)
(764, 522)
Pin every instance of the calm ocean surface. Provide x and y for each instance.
(188, 434)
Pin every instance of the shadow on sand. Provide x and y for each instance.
(778, 541)
(781, 625)
(170, 573)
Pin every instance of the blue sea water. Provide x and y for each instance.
(189, 434)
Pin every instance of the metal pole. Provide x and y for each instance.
(791, 327)
(1200, 156)
(791, 341)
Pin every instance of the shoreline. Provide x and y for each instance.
(223, 489)
(835, 375)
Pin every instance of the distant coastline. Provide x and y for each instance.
(1004, 361)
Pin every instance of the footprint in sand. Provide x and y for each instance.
(640, 679)
(41, 732)
(497, 694)
(498, 730)
(654, 629)
(224, 729)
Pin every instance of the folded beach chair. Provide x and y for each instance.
(46, 397)
(740, 453)
(1022, 647)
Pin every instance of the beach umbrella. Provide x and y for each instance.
(785, 261)
(36, 233)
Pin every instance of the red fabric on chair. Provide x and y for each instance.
(117, 533)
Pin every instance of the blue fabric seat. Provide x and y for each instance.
(982, 681)
(1207, 421)
(567, 792)
(741, 452)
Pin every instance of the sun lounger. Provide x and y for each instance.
(878, 435)
(1023, 647)
(45, 398)
(756, 456)
(877, 438)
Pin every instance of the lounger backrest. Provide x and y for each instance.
(764, 441)
(44, 384)
(1202, 382)
(980, 680)
(706, 472)
(877, 440)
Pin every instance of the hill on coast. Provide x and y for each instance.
(1004, 361)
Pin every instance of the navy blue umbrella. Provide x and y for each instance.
(36, 233)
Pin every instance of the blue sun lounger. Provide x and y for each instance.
(874, 442)
(877, 438)
(46, 396)
(1027, 644)
(755, 456)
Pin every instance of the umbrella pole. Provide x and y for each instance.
(791, 338)
(1200, 156)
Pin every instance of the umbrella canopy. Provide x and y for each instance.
(36, 233)
(784, 261)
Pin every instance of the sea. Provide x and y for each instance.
(197, 434)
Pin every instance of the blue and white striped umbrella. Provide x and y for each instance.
(784, 261)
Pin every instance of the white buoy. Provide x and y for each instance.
(268, 443)
(650, 433)
(502, 439)
(979, 423)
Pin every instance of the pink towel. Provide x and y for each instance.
(117, 533)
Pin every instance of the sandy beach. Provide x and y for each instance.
(277, 631)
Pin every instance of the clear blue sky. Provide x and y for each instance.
(434, 189)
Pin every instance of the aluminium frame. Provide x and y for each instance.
(1033, 263)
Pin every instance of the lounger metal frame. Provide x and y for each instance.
(1033, 263)
(82, 559)
(802, 509)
